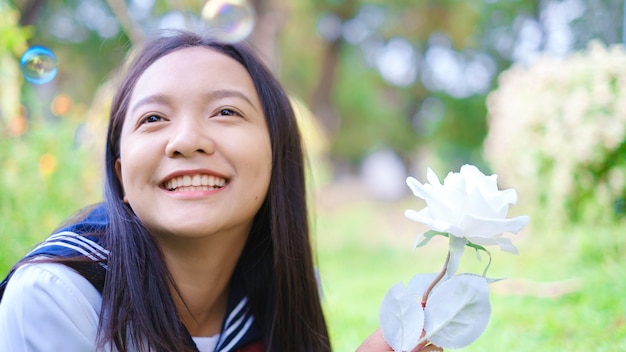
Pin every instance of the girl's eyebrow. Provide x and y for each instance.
(150, 99)
(216, 94)
(225, 93)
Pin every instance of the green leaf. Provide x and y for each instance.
(479, 248)
(423, 240)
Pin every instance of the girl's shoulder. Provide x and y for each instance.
(53, 286)
(54, 280)
(49, 304)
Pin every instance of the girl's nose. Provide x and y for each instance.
(189, 138)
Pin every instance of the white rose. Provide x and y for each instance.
(467, 206)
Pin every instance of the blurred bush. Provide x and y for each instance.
(44, 174)
(44, 178)
(12, 44)
(557, 133)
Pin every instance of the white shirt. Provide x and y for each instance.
(50, 307)
(206, 344)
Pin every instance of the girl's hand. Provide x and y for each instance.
(376, 343)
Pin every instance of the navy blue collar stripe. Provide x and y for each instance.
(233, 314)
(80, 240)
(237, 324)
(67, 245)
(240, 335)
(75, 243)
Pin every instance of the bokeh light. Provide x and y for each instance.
(47, 164)
(39, 65)
(17, 126)
(61, 105)
(231, 20)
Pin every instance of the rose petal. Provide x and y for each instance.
(455, 181)
(476, 179)
(483, 241)
(500, 200)
(489, 204)
(432, 177)
(436, 200)
(425, 217)
(504, 243)
(507, 246)
(484, 227)
(480, 206)
(416, 187)
(422, 216)
(501, 213)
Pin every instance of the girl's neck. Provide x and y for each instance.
(201, 269)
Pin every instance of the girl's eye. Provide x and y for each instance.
(228, 112)
(152, 118)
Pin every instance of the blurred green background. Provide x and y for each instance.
(534, 91)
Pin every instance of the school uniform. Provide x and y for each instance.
(52, 307)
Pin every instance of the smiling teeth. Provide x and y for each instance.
(194, 183)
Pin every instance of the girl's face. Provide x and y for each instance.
(195, 154)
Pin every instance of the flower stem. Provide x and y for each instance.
(435, 281)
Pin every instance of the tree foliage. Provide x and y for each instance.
(372, 71)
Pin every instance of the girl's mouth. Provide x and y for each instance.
(197, 182)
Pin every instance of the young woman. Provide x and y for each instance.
(202, 240)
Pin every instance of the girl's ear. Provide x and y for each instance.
(118, 172)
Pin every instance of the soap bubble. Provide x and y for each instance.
(39, 65)
(232, 20)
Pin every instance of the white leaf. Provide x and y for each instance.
(457, 311)
(401, 318)
(419, 283)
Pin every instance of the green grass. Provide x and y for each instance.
(363, 248)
